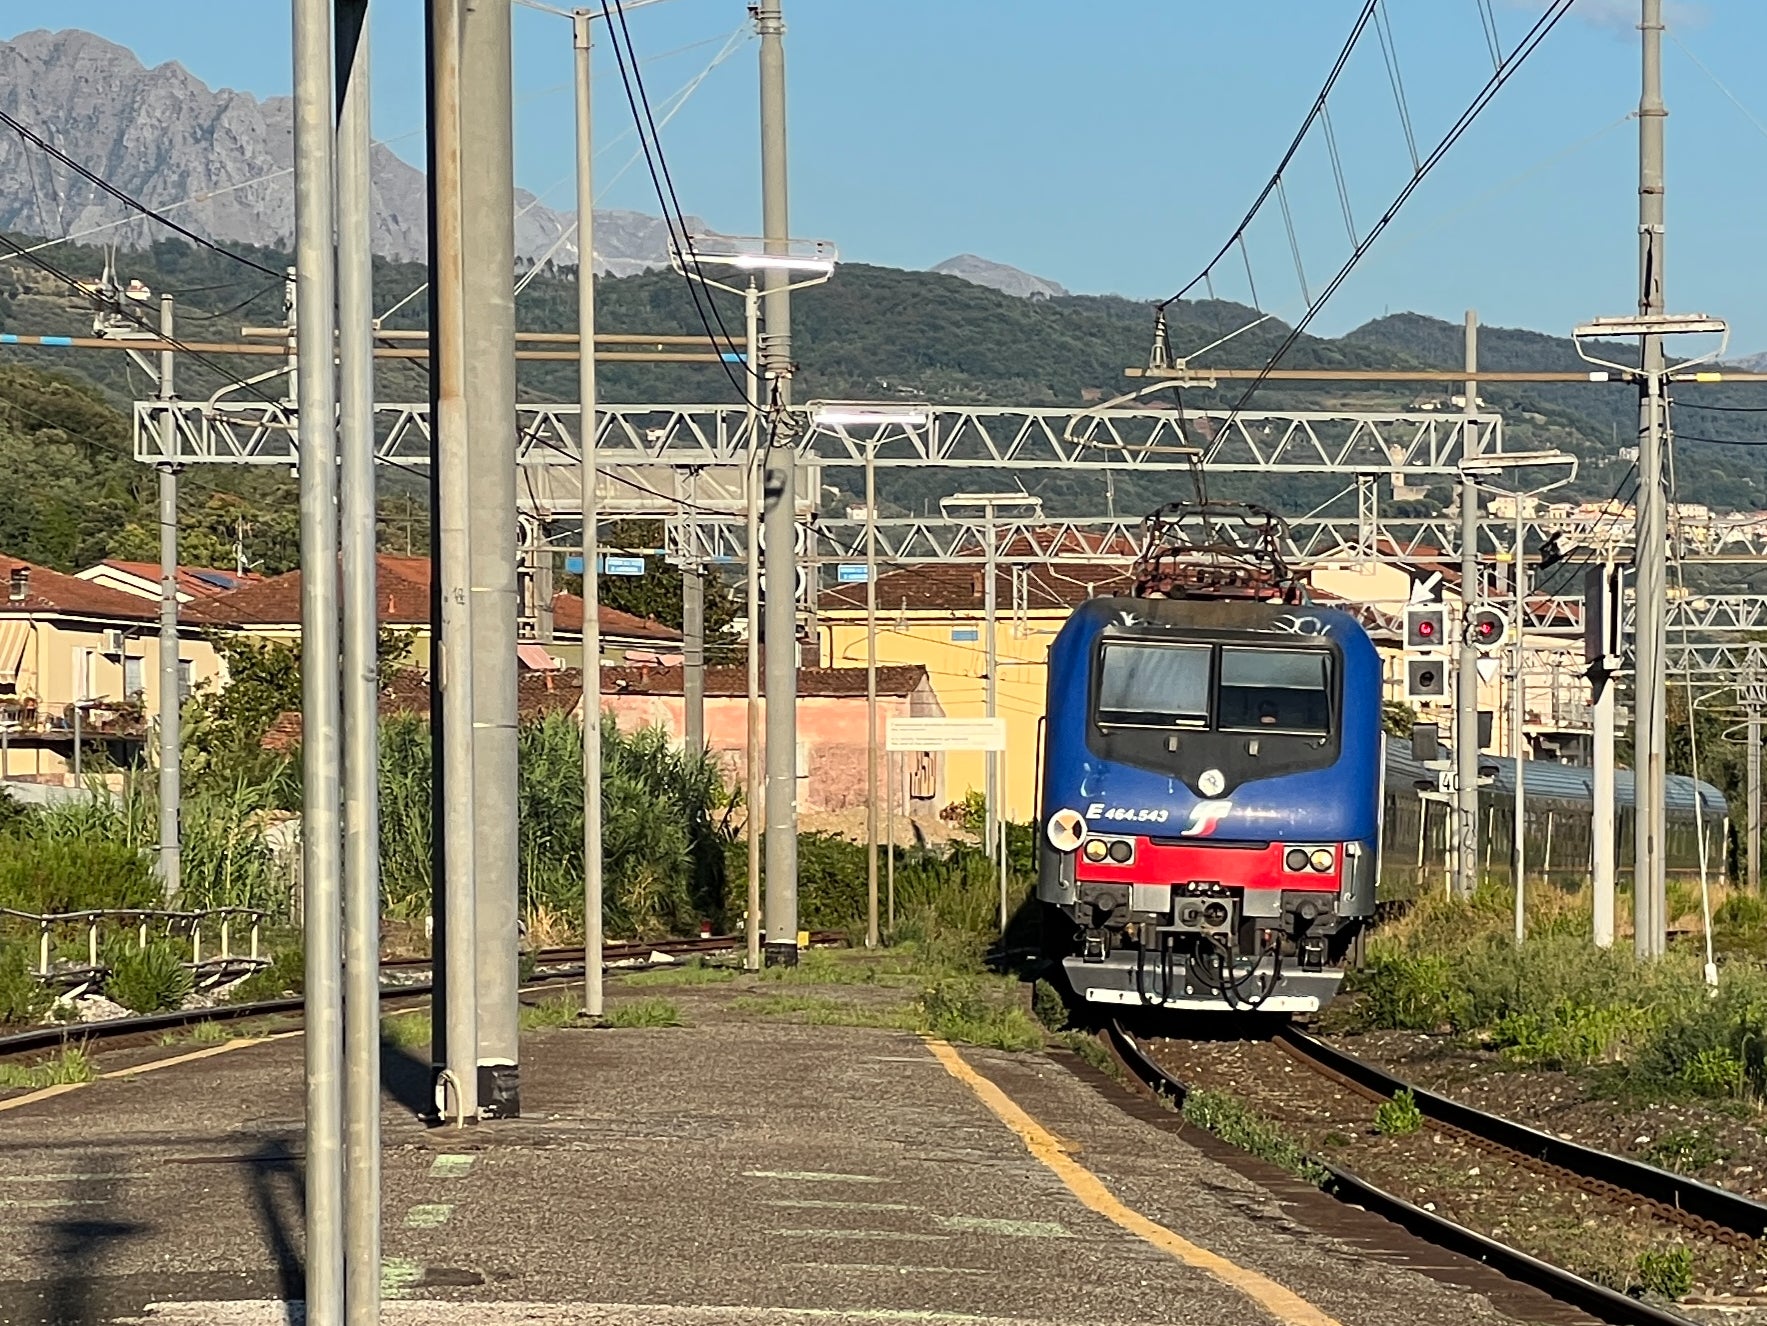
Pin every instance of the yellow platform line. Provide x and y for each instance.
(136, 1070)
(1283, 1304)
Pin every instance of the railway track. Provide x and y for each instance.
(551, 965)
(1608, 1187)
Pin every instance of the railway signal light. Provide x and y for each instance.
(1426, 679)
(1426, 626)
(1486, 629)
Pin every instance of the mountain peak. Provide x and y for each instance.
(998, 276)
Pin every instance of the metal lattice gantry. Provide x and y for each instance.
(236, 432)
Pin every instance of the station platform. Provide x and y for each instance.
(737, 1169)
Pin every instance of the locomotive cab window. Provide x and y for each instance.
(1275, 690)
(1154, 686)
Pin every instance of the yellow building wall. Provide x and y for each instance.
(53, 653)
(956, 673)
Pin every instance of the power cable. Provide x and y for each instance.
(1512, 62)
(636, 99)
(129, 200)
(214, 366)
(1318, 108)
(1389, 50)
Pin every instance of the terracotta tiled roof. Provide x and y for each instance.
(951, 588)
(401, 598)
(199, 582)
(406, 691)
(567, 616)
(49, 591)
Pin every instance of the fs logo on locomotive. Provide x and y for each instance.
(1205, 818)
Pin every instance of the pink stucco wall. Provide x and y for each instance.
(831, 738)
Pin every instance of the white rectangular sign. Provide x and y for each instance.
(919, 734)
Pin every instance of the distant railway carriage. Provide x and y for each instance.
(1559, 799)
(1210, 790)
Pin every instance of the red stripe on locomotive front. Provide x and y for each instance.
(1245, 867)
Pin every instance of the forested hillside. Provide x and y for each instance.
(870, 333)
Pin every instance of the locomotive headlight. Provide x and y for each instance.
(1323, 859)
(1122, 851)
(1096, 849)
(1295, 858)
(1065, 830)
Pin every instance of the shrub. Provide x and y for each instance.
(1568, 1036)
(23, 998)
(1399, 989)
(963, 1010)
(1399, 1116)
(286, 976)
(1048, 1007)
(150, 980)
(73, 873)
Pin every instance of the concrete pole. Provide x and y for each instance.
(321, 748)
(871, 936)
(990, 699)
(1517, 716)
(752, 925)
(1601, 825)
(592, 862)
(781, 495)
(361, 675)
(693, 635)
(1754, 792)
(488, 233)
(457, 1038)
(1649, 877)
(171, 676)
(891, 792)
(1466, 668)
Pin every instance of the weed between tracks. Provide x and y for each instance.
(1233, 1121)
(73, 1064)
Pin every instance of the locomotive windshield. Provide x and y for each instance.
(1286, 690)
(1154, 686)
(1247, 689)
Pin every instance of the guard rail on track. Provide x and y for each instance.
(1599, 1301)
(1726, 1210)
(39, 1039)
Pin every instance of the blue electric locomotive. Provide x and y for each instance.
(1210, 786)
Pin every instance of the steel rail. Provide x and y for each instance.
(1719, 1210)
(1606, 1304)
(38, 1039)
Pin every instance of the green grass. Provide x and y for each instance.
(71, 1065)
(693, 972)
(1088, 1050)
(208, 1032)
(976, 1010)
(1666, 1272)
(1234, 1122)
(1643, 1030)
(645, 1013)
(407, 1031)
(557, 1010)
(1685, 1149)
(150, 980)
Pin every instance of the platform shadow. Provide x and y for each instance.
(81, 1246)
(279, 1195)
(407, 1078)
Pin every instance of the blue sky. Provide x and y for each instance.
(1111, 146)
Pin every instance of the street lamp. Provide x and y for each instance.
(1650, 635)
(991, 504)
(878, 419)
(811, 262)
(1472, 468)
